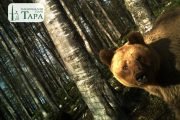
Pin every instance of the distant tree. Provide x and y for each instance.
(141, 14)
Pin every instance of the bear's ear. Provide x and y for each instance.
(135, 38)
(106, 56)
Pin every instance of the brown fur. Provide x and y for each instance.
(151, 62)
(106, 56)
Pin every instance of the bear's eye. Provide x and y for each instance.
(140, 59)
(125, 67)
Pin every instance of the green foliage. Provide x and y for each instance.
(177, 2)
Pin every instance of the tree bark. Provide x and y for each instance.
(141, 14)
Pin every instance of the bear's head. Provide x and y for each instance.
(135, 64)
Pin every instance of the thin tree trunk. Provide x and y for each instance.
(99, 25)
(95, 92)
(6, 104)
(81, 33)
(17, 106)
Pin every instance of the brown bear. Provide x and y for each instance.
(152, 61)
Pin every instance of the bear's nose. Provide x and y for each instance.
(141, 77)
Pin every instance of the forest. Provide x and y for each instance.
(51, 70)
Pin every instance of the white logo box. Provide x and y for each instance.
(25, 12)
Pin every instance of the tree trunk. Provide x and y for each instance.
(5, 103)
(141, 14)
(94, 90)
